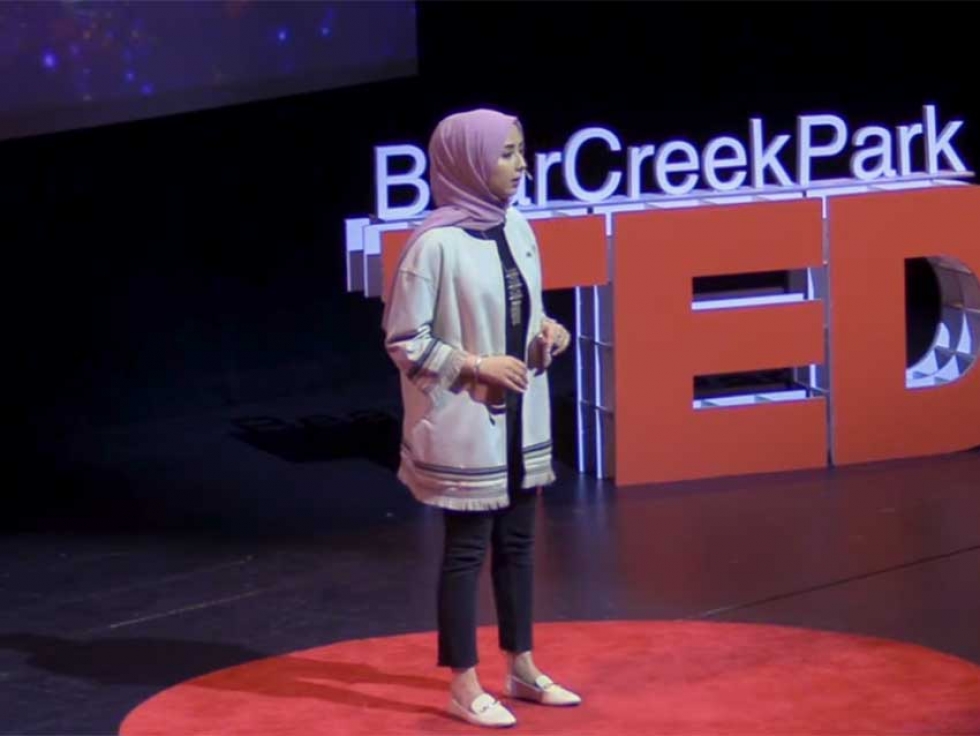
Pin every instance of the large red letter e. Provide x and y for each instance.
(661, 343)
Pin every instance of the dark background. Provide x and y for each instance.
(82, 63)
(170, 277)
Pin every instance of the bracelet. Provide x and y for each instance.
(476, 368)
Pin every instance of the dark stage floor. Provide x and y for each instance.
(213, 547)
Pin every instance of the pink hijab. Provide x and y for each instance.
(463, 151)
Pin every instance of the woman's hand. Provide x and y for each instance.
(554, 336)
(503, 371)
(552, 340)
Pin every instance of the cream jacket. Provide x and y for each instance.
(448, 300)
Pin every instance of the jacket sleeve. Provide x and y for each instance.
(420, 355)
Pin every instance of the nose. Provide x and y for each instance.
(521, 162)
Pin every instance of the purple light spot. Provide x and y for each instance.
(283, 35)
(130, 76)
(147, 89)
(324, 31)
(49, 60)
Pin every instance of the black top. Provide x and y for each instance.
(518, 309)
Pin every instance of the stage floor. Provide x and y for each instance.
(220, 555)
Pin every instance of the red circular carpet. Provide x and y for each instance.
(636, 677)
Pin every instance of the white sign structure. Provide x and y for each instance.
(724, 164)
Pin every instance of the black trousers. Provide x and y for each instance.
(509, 533)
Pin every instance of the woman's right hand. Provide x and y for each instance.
(504, 371)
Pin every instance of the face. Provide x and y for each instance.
(510, 167)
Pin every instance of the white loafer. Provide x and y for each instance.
(485, 710)
(543, 690)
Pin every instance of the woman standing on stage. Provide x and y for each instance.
(465, 325)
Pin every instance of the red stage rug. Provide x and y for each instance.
(636, 677)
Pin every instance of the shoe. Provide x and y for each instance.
(543, 691)
(485, 710)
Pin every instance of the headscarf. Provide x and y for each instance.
(463, 151)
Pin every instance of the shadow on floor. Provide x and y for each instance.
(371, 435)
(157, 662)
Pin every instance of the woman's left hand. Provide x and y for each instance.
(555, 338)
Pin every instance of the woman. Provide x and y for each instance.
(465, 325)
